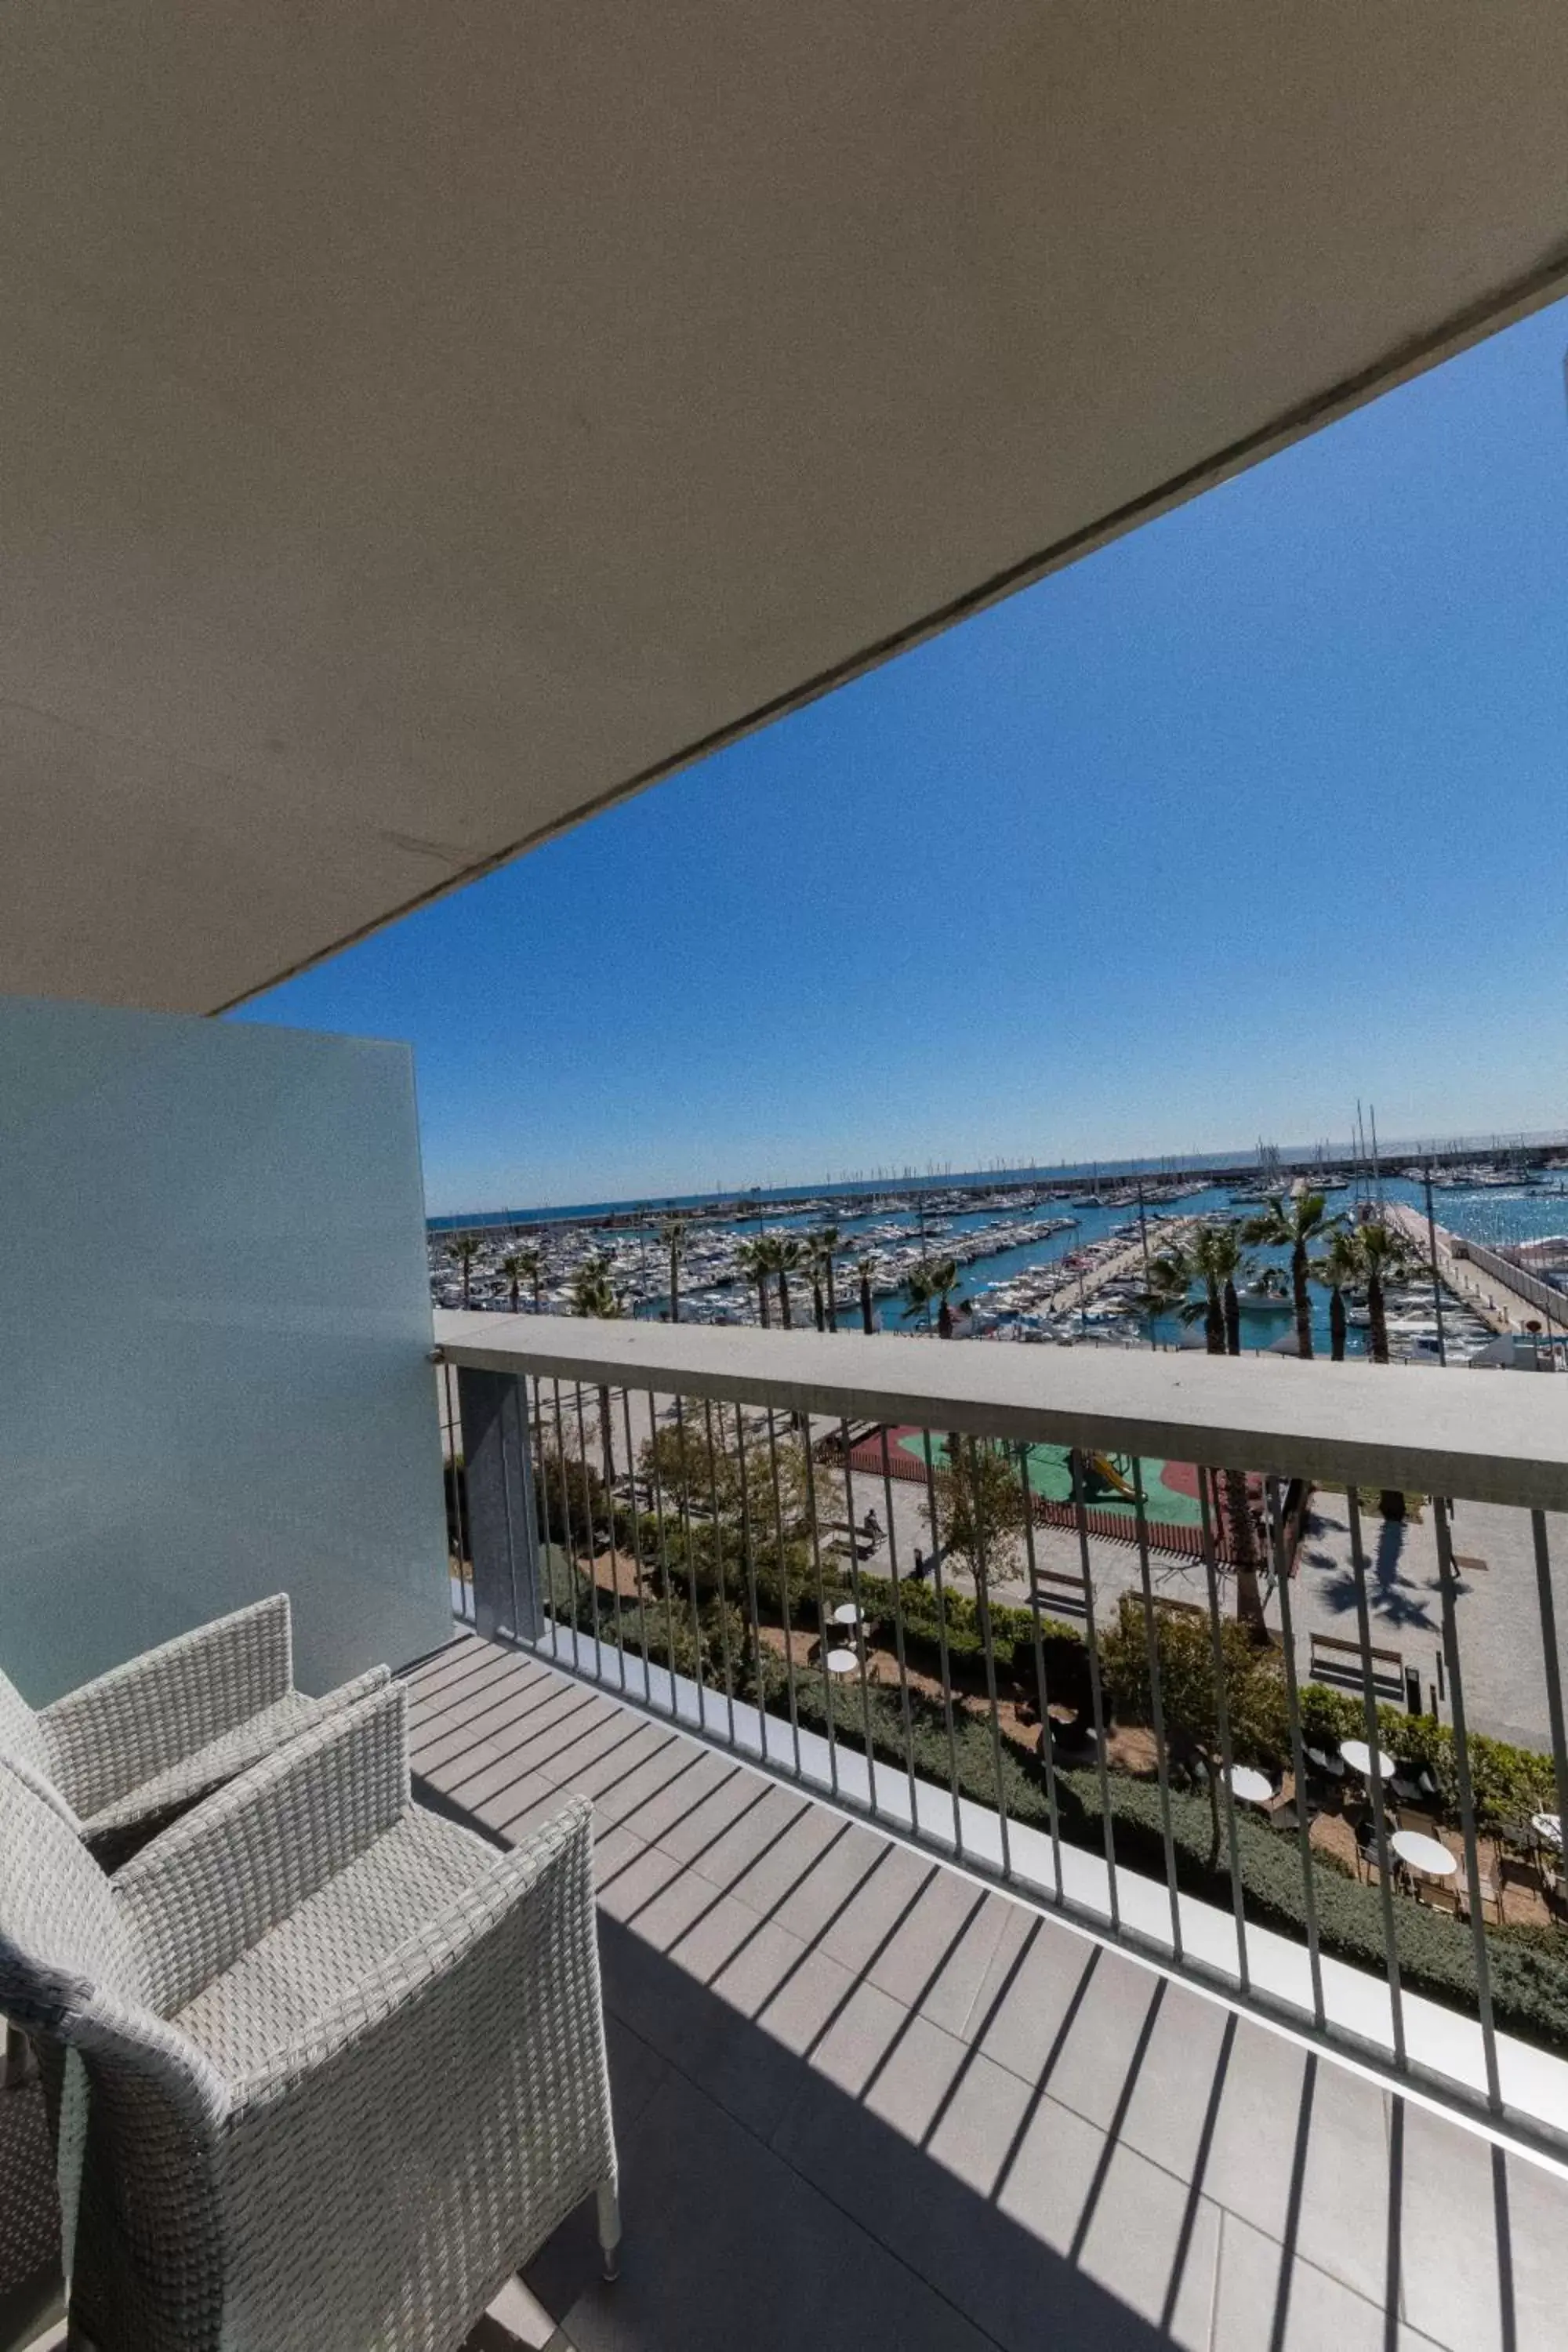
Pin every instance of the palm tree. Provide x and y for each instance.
(1231, 1264)
(1337, 1269)
(1209, 1260)
(531, 1265)
(1167, 1283)
(672, 1232)
(511, 1266)
(463, 1252)
(1214, 1258)
(829, 1241)
(814, 1257)
(1383, 1255)
(866, 1268)
(753, 1261)
(1294, 1222)
(593, 1294)
(784, 1257)
(935, 1280)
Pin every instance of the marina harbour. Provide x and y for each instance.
(1029, 1264)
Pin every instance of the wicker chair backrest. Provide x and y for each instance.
(21, 1733)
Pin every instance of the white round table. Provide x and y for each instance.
(842, 1662)
(1547, 1828)
(1358, 1756)
(847, 1613)
(1251, 1787)
(1424, 1854)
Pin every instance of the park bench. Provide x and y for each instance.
(1340, 1663)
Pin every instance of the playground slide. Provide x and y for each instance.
(1103, 1467)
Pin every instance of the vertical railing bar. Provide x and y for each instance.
(1297, 1749)
(1548, 1609)
(822, 1633)
(607, 1434)
(508, 1395)
(1096, 1692)
(1374, 1778)
(721, 1569)
(663, 1575)
(691, 1564)
(783, 1594)
(542, 1514)
(588, 1531)
(940, 1590)
(1042, 1688)
(1156, 1700)
(861, 1642)
(1222, 1716)
(987, 1646)
(1447, 1576)
(637, 1548)
(899, 1633)
(750, 1556)
(566, 1528)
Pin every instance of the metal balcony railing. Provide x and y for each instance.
(1253, 1666)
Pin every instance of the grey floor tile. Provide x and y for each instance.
(925, 1934)
(1482, 2241)
(766, 1849)
(726, 2247)
(1035, 1978)
(1262, 2306)
(517, 1806)
(1152, 2244)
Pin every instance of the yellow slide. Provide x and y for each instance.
(1103, 1467)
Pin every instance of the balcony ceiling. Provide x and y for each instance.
(420, 426)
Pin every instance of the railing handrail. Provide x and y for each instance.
(1488, 1438)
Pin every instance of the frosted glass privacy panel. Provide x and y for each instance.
(215, 1327)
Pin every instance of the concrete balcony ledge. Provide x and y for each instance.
(1482, 1436)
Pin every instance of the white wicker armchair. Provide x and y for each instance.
(139, 1745)
(343, 2062)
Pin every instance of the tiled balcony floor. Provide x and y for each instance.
(862, 2102)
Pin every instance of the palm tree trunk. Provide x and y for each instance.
(1238, 1508)
(1232, 1320)
(1213, 1321)
(762, 1300)
(1391, 1501)
(1303, 1300)
(515, 1290)
(468, 1271)
(784, 1299)
(832, 1297)
(819, 1310)
(674, 1284)
(945, 1320)
(538, 1309)
(1336, 1325)
(866, 1315)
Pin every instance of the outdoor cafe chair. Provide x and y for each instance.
(120, 1755)
(326, 2068)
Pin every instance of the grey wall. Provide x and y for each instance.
(213, 1330)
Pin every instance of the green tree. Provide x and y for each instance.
(1208, 1259)
(463, 1252)
(1295, 1222)
(529, 1264)
(933, 1283)
(1167, 1284)
(783, 1258)
(1214, 1258)
(594, 1293)
(866, 1267)
(1338, 1269)
(981, 1510)
(1383, 1255)
(672, 1232)
(753, 1261)
(829, 1241)
(1230, 1264)
(1184, 1645)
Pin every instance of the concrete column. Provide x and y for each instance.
(503, 1540)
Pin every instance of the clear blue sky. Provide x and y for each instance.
(1259, 810)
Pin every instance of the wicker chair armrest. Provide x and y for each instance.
(440, 2123)
(112, 1734)
(235, 1867)
(508, 1905)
